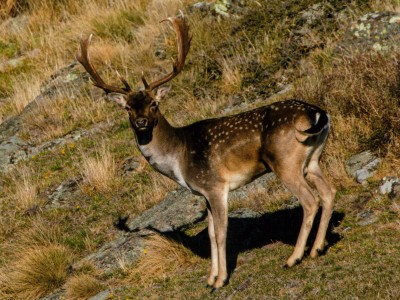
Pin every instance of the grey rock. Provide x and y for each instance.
(179, 208)
(388, 185)
(56, 295)
(101, 296)
(124, 250)
(376, 31)
(201, 6)
(245, 213)
(362, 166)
(224, 8)
(10, 127)
(12, 150)
(367, 217)
(260, 184)
(312, 14)
(64, 191)
(12, 147)
(129, 165)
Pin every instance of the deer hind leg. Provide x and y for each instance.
(310, 203)
(218, 233)
(214, 249)
(327, 193)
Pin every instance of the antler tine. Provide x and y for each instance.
(126, 84)
(183, 43)
(84, 59)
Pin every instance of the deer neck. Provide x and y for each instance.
(163, 147)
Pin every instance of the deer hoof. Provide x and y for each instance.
(316, 253)
(211, 280)
(220, 283)
(289, 265)
(213, 290)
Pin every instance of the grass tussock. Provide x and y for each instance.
(162, 257)
(82, 286)
(40, 234)
(231, 78)
(99, 172)
(26, 189)
(37, 272)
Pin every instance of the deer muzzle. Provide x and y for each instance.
(141, 123)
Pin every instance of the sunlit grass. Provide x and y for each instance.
(37, 272)
(160, 258)
(99, 172)
(83, 286)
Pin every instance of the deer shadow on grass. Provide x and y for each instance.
(250, 233)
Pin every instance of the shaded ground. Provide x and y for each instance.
(248, 233)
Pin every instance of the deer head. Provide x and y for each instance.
(142, 106)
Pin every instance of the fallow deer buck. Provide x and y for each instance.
(212, 157)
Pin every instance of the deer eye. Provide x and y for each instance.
(153, 107)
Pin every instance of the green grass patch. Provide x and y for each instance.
(8, 49)
(119, 25)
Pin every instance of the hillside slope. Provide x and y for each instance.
(70, 169)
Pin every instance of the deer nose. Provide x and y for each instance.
(141, 122)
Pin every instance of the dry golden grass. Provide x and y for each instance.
(7, 7)
(36, 272)
(231, 78)
(153, 191)
(54, 118)
(361, 94)
(82, 286)
(99, 172)
(26, 189)
(161, 258)
(386, 5)
(26, 89)
(41, 233)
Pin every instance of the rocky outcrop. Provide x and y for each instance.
(362, 166)
(13, 148)
(178, 210)
(378, 31)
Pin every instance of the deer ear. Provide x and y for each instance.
(118, 98)
(161, 92)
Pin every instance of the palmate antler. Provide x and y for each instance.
(84, 59)
(183, 43)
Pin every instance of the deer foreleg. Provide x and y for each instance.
(219, 211)
(214, 249)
